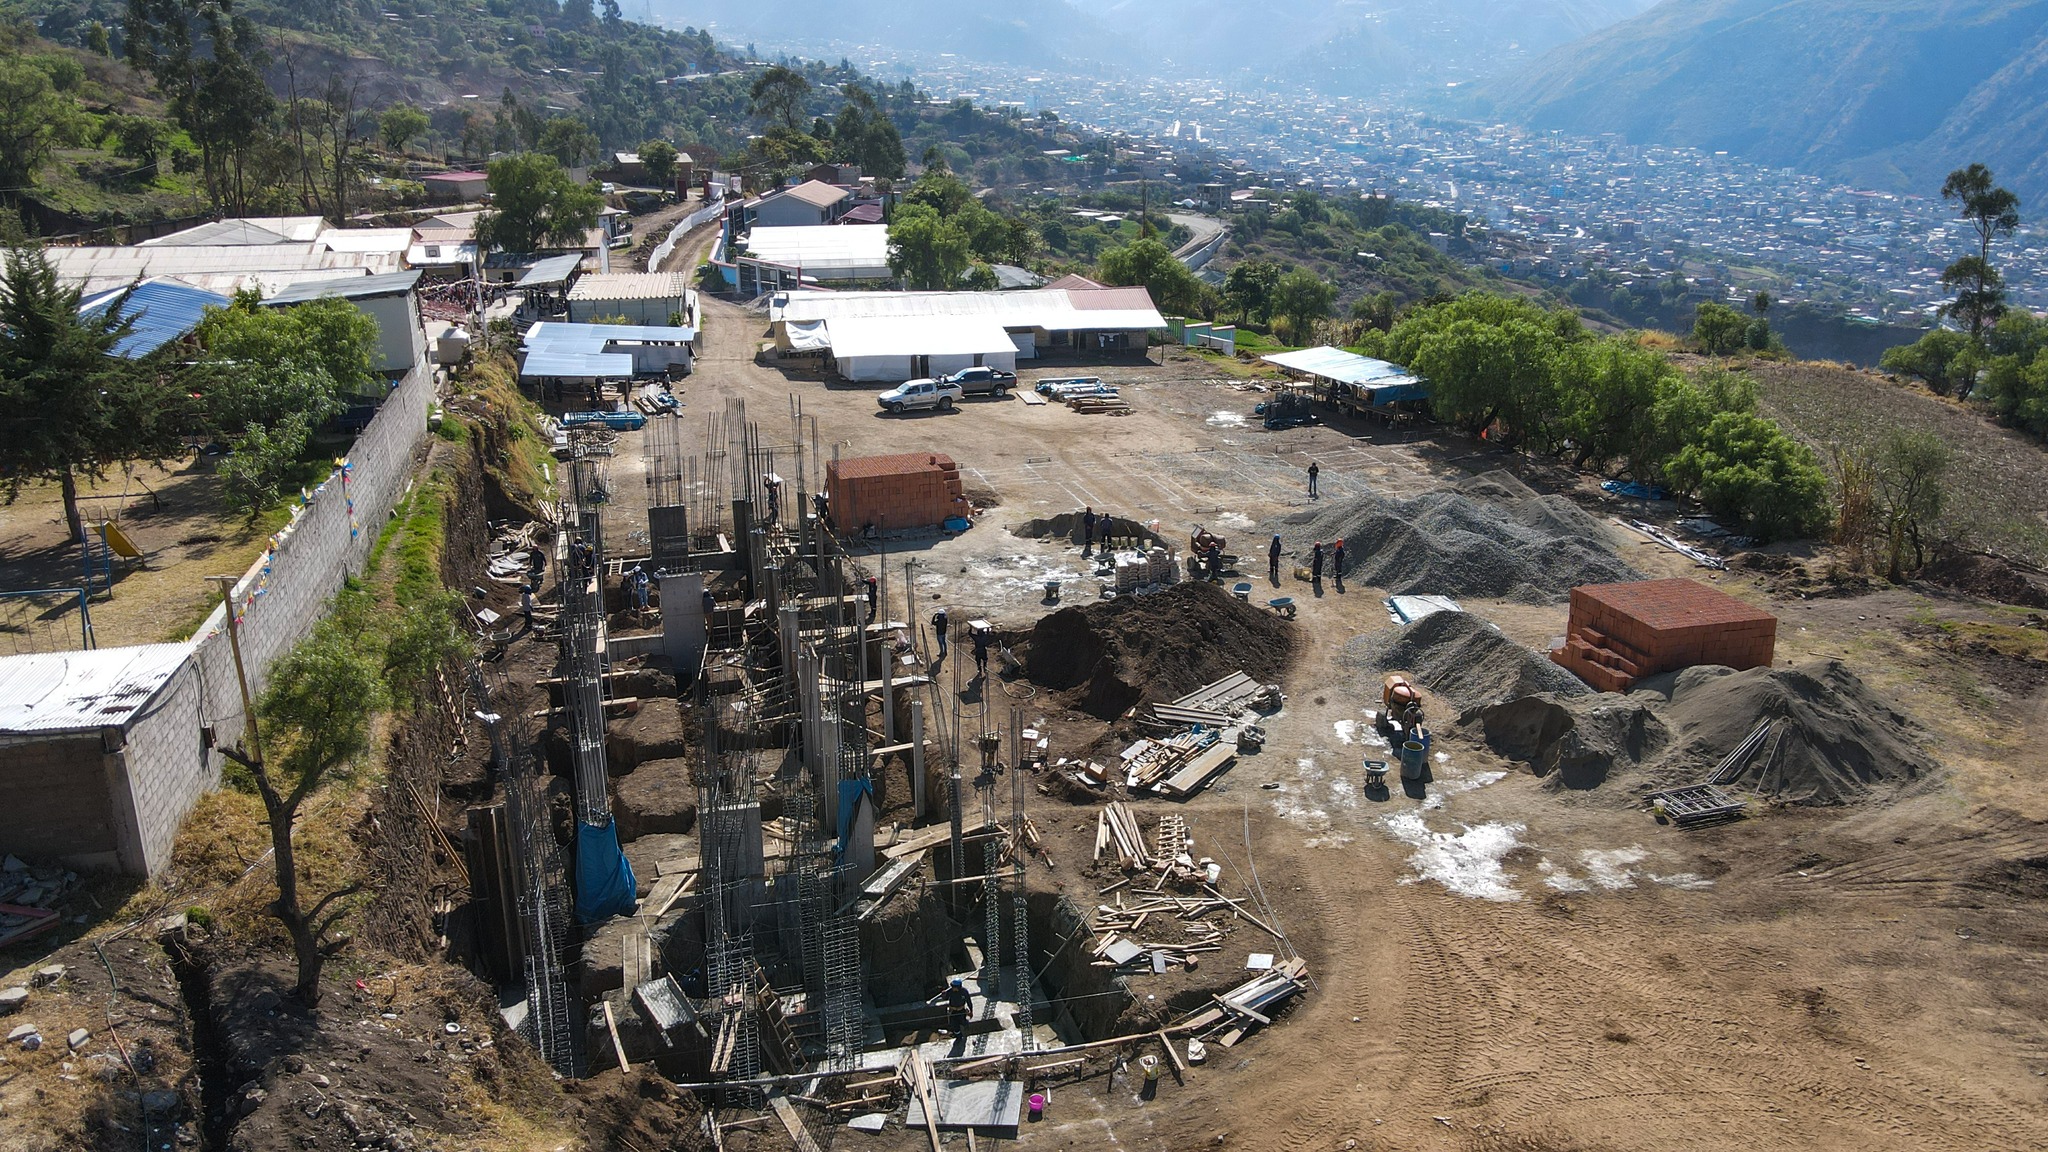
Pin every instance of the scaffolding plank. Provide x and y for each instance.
(793, 1124)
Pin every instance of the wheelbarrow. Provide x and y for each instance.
(1376, 775)
(1284, 605)
(1242, 590)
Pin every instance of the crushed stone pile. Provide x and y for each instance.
(1489, 536)
(1835, 741)
(1461, 658)
(1133, 649)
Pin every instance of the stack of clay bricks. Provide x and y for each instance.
(907, 490)
(1138, 568)
(1619, 633)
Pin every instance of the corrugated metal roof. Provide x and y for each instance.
(579, 365)
(73, 691)
(163, 311)
(1344, 367)
(553, 270)
(823, 248)
(631, 286)
(1051, 309)
(816, 193)
(348, 288)
(554, 335)
(367, 239)
(102, 268)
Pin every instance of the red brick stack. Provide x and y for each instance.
(1620, 633)
(907, 490)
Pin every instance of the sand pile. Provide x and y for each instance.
(1152, 648)
(1489, 535)
(1835, 742)
(1461, 658)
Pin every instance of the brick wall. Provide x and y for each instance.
(1618, 634)
(58, 803)
(914, 492)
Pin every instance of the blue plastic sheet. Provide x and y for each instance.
(1635, 490)
(850, 792)
(604, 880)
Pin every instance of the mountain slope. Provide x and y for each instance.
(1892, 92)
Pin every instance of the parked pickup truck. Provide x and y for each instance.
(920, 394)
(976, 381)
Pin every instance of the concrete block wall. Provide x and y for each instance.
(164, 769)
(60, 805)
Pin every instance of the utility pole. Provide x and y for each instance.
(227, 600)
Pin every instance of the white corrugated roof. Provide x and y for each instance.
(1346, 367)
(578, 365)
(392, 240)
(560, 337)
(630, 286)
(1052, 309)
(857, 250)
(856, 336)
(100, 268)
(69, 691)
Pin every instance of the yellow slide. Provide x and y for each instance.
(118, 542)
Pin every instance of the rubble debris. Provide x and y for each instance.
(1119, 653)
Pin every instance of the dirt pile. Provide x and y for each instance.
(1463, 659)
(1122, 652)
(1833, 740)
(1490, 535)
(1990, 578)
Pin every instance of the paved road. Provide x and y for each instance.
(1204, 229)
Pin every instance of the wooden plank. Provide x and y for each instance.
(932, 838)
(611, 1025)
(1197, 772)
(920, 1084)
(793, 1124)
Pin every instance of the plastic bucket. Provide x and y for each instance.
(1151, 1066)
(1037, 1105)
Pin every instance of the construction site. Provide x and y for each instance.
(1074, 775)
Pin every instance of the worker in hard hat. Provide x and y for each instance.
(959, 1005)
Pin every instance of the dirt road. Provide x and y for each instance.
(1500, 965)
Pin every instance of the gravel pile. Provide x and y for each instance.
(1835, 741)
(1462, 659)
(1488, 536)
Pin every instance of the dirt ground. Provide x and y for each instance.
(172, 513)
(1495, 967)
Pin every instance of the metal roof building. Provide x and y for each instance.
(390, 299)
(215, 267)
(552, 349)
(163, 311)
(82, 691)
(898, 335)
(823, 251)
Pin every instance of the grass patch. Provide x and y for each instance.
(515, 456)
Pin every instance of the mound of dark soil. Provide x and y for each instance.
(1122, 652)
(1463, 659)
(1987, 577)
(1835, 742)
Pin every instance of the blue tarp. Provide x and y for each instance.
(850, 792)
(604, 880)
(1635, 489)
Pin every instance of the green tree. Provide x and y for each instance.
(312, 725)
(1304, 298)
(1992, 211)
(400, 125)
(1945, 360)
(35, 119)
(863, 133)
(1607, 403)
(1719, 330)
(260, 461)
(778, 96)
(1746, 470)
(143, 139)
(533, 202)
(262, 365)
(207, 62)
(1910, 465)
(927, 250)
(659, 157)
(1761, 303)
(70, 407)
(1377, 309)
(569, 140)
(1149, 263)
(1248, 286)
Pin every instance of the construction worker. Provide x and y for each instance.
(982, 637)
(1087, 530)
(772, 485)
(1315, 564)
(939, 623)
(710, 605)
(1314, 470)
(526, 603)
(959, 1004)
(637, 581)
(874, 592)
(1273, 559)
(1105, 522)
(1337, 565)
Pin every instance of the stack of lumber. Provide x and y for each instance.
(1117, 827)
(1125, 941)
(1248, 1005)
(1109, 405)
(1150, 762)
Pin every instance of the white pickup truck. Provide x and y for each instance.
(920, 394)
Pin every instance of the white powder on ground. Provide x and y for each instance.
(1466, 862)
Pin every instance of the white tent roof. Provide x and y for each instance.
(858, 336)
(1341, 366)
(853, 250)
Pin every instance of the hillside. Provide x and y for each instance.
(1029, 34)
(1882, 92)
